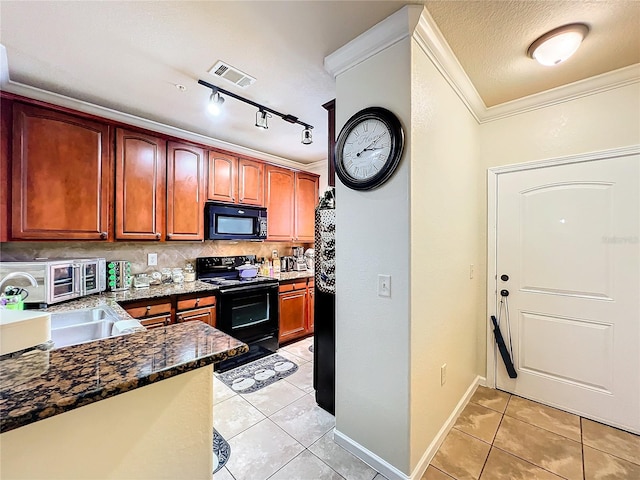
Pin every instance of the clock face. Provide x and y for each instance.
(369, 148)
(366, 149)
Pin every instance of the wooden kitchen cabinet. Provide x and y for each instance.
(296, 309)
(293, 305)
(6, 120)
(291, 198)
(235, 179)
(151, 313)
(250, 182)
(61, 176)
(140, 186)
(196, 307)
(306, 200)
(310, 304)
(280, 203)
(185, 192)
(223, 177)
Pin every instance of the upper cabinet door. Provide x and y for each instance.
(280, 203)
(223, 177)
(250, 182)
(185, 192)
(306, 202)
(61, 176)
(140, 186)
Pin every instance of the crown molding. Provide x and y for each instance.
(384, 34)
(115, 115)
(431, 41)
(565, 93)
(415, 21)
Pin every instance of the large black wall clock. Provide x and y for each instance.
(369, 148)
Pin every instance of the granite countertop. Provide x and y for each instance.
(284, 276)
(42, 383)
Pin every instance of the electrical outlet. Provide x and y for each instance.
(384, 285)
(152, 259)
(443, 374)
(471, 271)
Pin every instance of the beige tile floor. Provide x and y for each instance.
(503, 437)
(279, 432)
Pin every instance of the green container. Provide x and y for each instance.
(14, 302)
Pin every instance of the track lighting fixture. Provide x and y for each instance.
(307, 138)
(262, 115)
(261, 119)
(215, 102)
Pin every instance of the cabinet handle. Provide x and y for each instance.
(168, 236)
(148, 307)
(197, 301)
(166, 322)
(158, 235)
(103, 235)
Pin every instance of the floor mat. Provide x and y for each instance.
(256, 375)
(221, 451)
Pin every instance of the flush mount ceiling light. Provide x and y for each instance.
(261, 119)
(559, 44)
(215, 102)
(263, 113)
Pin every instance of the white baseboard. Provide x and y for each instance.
(388, 470)
(432, 449)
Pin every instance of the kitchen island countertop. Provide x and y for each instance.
(78, 375)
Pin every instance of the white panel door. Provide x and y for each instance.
(567, 238)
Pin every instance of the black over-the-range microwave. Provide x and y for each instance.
(234, 222)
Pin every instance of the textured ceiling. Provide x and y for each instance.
(491, 38)
(128, 56)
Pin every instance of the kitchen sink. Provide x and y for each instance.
(86, 325)
(84, 332)
(86, 315)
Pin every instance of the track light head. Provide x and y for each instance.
(307, 138)
(215, 102)
(261, 119)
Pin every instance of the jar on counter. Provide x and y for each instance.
(177, 276)
(189, 273)
(165, 275)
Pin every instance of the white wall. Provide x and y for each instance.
(320, 168)
(596, 122)
(372, 237)
(444, 222)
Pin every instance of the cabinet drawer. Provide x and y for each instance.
(196, 302)
(156, 322)
(288, 287)
(206, 315)
(148, 310)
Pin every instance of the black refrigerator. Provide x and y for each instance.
(325, 303)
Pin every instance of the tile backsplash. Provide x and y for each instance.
(170, 254)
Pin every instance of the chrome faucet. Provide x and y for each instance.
(28, 276)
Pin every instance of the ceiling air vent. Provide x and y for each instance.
(231, 74)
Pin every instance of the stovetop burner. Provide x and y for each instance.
(222, 271)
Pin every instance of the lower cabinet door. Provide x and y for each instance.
(206, 315)
(293, 306)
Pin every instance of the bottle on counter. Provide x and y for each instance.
(177, 276)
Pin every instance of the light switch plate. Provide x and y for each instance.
(152, 259)
(384, 285)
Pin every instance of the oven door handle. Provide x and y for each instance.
(248, 288)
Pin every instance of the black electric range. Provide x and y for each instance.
(246, 308)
